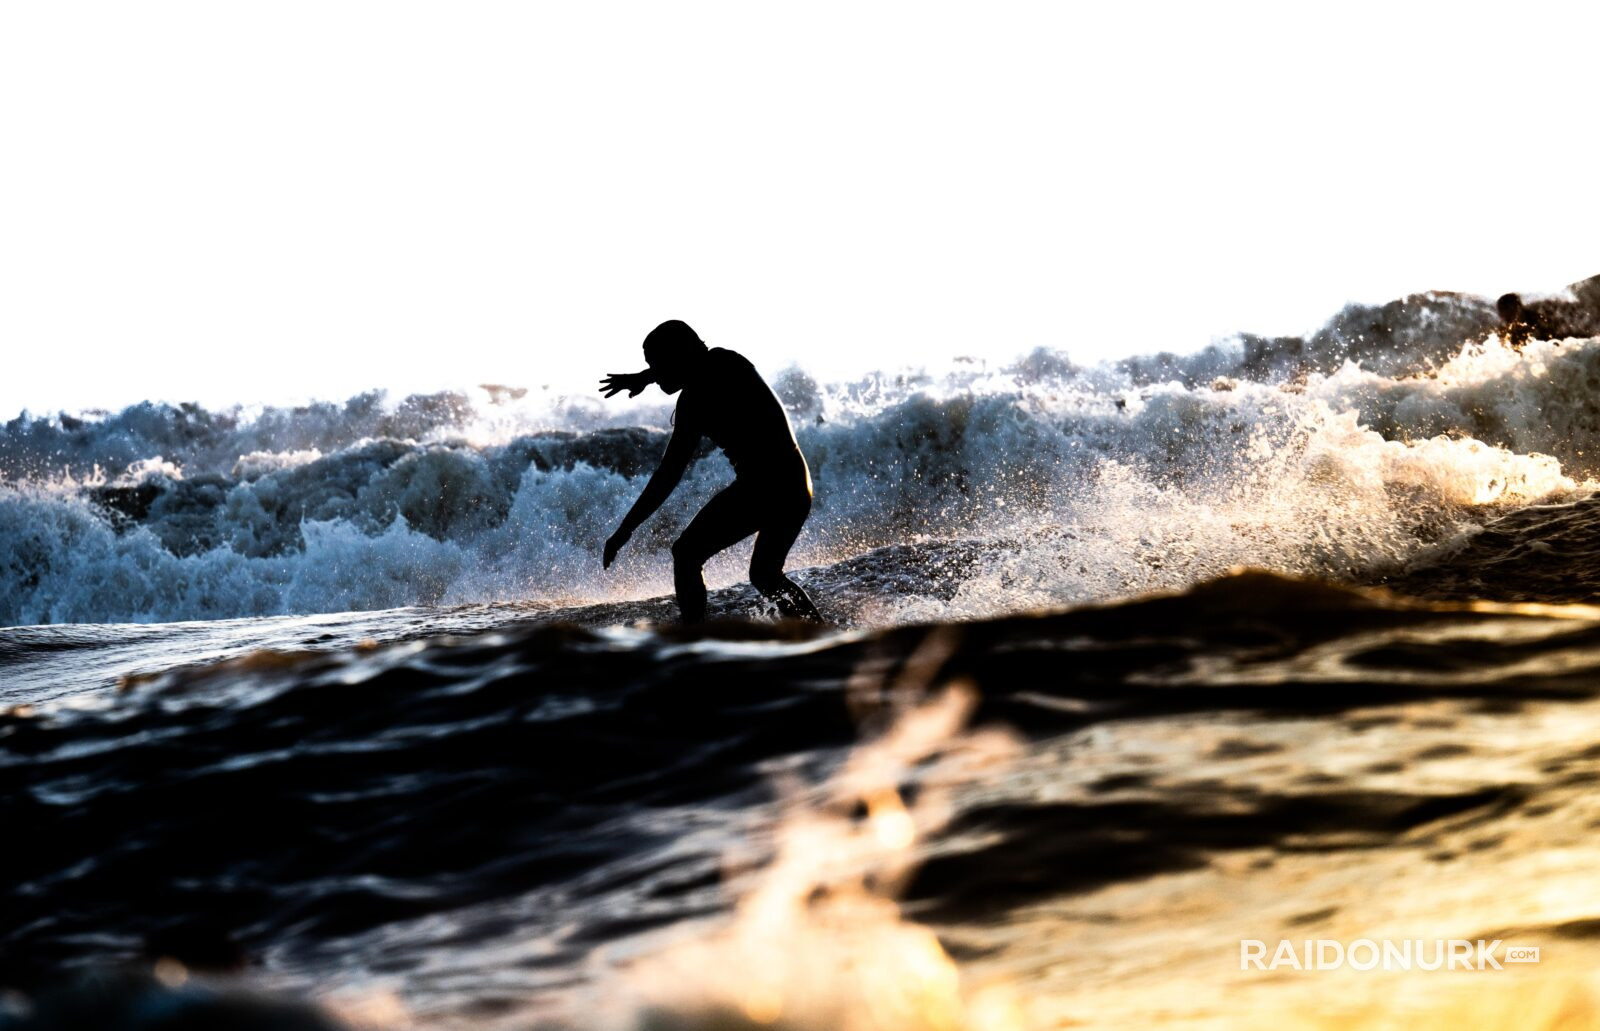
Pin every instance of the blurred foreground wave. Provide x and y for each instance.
(1028, 821)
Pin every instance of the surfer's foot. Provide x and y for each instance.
(790, 598)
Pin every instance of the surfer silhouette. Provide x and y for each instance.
(1518, 326)
(725, 400)
(1550, 318)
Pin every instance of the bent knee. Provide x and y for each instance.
(766, 578)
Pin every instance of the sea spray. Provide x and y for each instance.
(816, 939)
(1076, 484)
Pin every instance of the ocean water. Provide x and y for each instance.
(1285, 639)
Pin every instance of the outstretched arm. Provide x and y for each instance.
(632, 382)
(680, 452)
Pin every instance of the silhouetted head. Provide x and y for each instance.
(673, 350)
(1509, 306)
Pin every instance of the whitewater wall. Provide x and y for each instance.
(1352, 450)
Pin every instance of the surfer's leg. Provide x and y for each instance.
(727, 519)
(777, 536)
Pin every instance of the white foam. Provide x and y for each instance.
(1085, 483)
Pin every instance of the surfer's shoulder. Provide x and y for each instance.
(726, 363)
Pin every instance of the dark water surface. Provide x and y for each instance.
(482, 824)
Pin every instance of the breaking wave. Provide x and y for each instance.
(1346, 454)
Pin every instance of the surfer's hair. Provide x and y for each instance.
(672, 339)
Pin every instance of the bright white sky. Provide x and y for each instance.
(269, 201)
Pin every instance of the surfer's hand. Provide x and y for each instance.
(614, 544)
(633, 382)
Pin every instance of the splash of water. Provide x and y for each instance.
(817, 940)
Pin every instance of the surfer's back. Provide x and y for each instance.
(732, 405)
